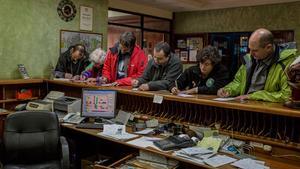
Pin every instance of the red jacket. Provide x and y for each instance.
(137, 64)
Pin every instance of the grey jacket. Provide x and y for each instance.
(160, 77)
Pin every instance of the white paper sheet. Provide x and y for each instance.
(145, 132)
(219, 160)
(248, 163)
(195, 150)
(185, 95)
(224, 99)
(116, 131)
(144, 142)
(112, 129)
(158, 99)
(61, 79)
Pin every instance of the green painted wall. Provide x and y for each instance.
(29, 33)
(274, 17)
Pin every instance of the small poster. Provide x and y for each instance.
(184, 56)
(86, 18)
(193, 54)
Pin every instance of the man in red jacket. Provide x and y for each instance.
(124, 61)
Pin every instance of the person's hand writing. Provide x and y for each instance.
(91, 81)
(134, 83)
(82, 77)
(222, 93)
(68, 75)
(175, 90)
(144, 87)
(102, 80)
(115, 84)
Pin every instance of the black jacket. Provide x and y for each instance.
(192, 77)
(160, 77)
(66, 65)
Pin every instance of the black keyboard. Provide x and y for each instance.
(89, 126)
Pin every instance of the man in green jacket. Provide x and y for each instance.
(262, 77)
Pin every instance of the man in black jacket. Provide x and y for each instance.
(72, 62)
(161, 71)
(206, 77)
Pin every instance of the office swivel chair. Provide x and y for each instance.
(31, 140)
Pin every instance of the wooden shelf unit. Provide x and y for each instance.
(8, 89)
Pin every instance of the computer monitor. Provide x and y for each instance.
(98, 103)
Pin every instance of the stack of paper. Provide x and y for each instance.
(116, 131)
(219, 160)
(248, 163)
(145, 132)
(144, 142)
(191, 151)
(195, 154)
(210, 143)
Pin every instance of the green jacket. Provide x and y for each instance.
(276, 88)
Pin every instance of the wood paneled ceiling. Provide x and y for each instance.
(196, 5)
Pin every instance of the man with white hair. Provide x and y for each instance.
(94, 70)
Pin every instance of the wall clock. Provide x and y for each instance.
(66, 10)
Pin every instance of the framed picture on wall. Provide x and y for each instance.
(90, 40)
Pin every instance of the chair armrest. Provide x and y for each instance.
(65, 153)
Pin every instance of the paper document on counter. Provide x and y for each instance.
(116, 131)
(248, 163)
(219, 160)
(145, 131)
(62, 79)
(144, 142)
(185, 95)
(195, 150)
(225, 99)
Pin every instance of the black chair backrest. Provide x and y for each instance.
(31, 137)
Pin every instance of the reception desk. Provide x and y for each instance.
(269, 123)
(252, 121)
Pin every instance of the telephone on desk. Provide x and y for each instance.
(73, 118)
(174, 142)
